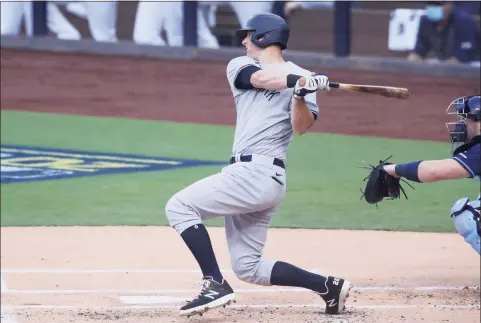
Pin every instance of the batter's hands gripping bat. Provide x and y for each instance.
(387, 91)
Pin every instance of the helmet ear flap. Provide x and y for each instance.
(263, 40)
(259, 39)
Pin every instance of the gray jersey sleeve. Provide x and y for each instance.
(233, 69)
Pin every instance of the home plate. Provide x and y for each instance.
(150, 300)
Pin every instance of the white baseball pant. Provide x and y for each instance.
(247, 196)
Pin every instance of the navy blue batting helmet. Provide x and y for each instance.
(267, 29)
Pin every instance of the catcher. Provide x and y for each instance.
(384, 179)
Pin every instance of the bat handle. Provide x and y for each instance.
(334, 85)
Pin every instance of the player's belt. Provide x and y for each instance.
(248, 158)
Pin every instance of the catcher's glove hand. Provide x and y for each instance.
(381, 185)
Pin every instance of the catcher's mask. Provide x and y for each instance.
(468, 107)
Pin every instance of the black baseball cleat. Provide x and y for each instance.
(337, 294)
(213, 294)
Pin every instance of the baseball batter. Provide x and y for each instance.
(273, 99)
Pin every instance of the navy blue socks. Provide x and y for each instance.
(197, 239)
(284, 274)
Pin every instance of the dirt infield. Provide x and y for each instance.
(129, 274)
(194, 91)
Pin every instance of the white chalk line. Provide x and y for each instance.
(236, 306)
(237, 290)
(114, 271)
(135, 300)
(197, 271)
(6, 315)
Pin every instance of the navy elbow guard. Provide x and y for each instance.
(292, 80)
(243, 79)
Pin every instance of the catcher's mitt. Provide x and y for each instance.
(381, 185)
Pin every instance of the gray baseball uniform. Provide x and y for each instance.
(246, 194)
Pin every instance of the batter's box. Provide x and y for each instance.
(26, 164)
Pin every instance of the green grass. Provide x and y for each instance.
(323, 176)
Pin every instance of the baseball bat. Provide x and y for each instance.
(387, 91)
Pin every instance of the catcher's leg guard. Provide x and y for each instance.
(467, 222)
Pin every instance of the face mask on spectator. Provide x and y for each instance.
(434, 13)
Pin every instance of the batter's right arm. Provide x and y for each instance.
(301, 117)
(245, 74)
(275, 80)
(304, 108)
(253, 77)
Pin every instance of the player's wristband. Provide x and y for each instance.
(409, 170)
(292, 80)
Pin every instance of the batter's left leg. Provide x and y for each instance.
(246, 237)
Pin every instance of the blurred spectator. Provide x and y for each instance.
(245, 10)
(292, 6)
(448, 30)
(101, 17)
(13, 13)
(152, 17)
(278, 9)
(77, 8)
